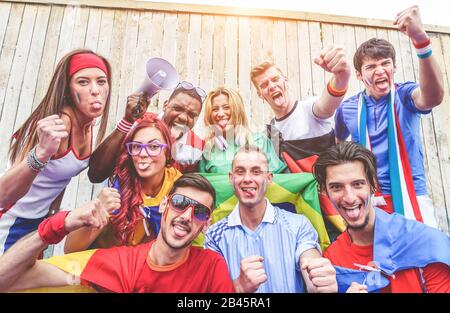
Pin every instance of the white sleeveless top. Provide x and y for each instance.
(48, 184)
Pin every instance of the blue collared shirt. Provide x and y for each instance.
(280, 239)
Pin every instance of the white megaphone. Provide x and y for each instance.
(160, 75)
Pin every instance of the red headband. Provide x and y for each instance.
(86, 60)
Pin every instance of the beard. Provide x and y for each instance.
(359, 227)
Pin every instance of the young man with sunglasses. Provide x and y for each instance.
(180, 113)
(167, 264)
(267, 249)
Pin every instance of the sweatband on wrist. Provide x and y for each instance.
(52, 230)
(124, 126)
(332, 90)
(423, 49)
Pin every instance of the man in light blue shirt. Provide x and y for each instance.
(267, 249)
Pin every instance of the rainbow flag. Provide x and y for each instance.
(292, 192)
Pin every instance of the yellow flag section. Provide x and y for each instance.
(296, 193)
(73, 263)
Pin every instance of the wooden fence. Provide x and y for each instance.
(209, 46)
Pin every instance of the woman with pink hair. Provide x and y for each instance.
(143, 175)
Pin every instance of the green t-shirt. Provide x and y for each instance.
(219, 161)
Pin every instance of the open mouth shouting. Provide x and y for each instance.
(278, 98)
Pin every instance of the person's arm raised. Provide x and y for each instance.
(332, 60)
(431, 84)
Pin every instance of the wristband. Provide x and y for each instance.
(423, 49)
(124, 126)
(52, 230)
(332, 90)
(33, 162)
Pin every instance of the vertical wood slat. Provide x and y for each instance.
(304, 60)
(48, 61)
(292, 59)
(244, 63)
(16, 77)
(8, 50)
(32, 66)
(231, 52)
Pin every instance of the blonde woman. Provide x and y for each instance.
(227, 129)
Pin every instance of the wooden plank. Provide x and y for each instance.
(328, 40)
(205, 65)
(293, 66)
(349, 37)
(32, 65)
(116, 56)
(169, 52)
(279, 45)
(8, 50)
(16, 77)
(305, 66)
(93, 29)
(182, 43)
(318, 75)
(443, 200)
(193, 52)
(361, 34)
(105, 36)
(445, 107)
(127, 62)
(206, 53)
(267, 52)
(5, 9)
(257, 105)
(218, 51)
(66, 32)
(231, 52)
(241, 11)
(382, 33)
(244, 58)
(49, 55)
(371, 32)
(80, 28)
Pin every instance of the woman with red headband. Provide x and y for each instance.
(143, 175)
(54, 143)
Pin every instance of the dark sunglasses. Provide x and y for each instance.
(188, 86)
(181, 203)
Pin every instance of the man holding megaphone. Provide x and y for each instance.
(180, 112)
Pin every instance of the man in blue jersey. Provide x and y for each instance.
(267, 249)
(385, 118)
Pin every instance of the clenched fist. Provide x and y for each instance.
(334, 60)
(50, 131)
(252, 274)
(409, 22)
(137, 104)
(321, 274)
(109, 199)
(90, 214)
